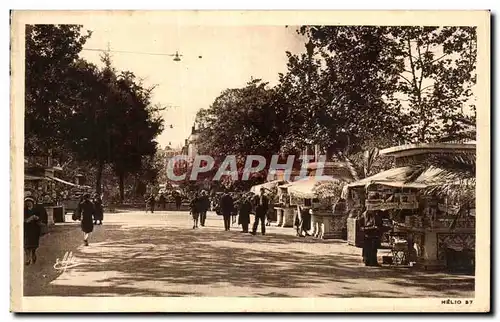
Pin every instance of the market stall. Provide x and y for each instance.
(285, 210)
(271, 188)
(321, 196)
(425, 229)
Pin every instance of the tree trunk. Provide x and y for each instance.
(98, 187)
(121, 178)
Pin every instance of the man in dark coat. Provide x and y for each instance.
(204, 206)
(178, 200)
(260, 212)
(99, 210)
(150, 203)
(245, 208)
(227, 208)
(163, 201)
(87, 211)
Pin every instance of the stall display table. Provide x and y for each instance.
(285, 216)
(329, 226)
(432, 244)
(354, 233)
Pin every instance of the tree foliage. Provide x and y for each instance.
(98, 115)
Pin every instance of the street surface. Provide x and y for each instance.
(138, 254)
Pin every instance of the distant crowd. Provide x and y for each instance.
(231, 206)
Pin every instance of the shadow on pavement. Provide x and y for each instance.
(146, 257)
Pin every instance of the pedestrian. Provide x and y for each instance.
(194, 206)
(163, 201)
(245, 208)
(87, 211)
(150, 203)
(204, 207)
(260, 212)
(32, 230)
(178, 200)
(227, 208)
(303, 221)
(99, 210)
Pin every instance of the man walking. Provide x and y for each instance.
(227, 208)
(260, 212)
(178, 200)
(245, 208)
(204, 206)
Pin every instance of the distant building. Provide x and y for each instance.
(190, 146)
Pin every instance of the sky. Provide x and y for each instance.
(231, 56)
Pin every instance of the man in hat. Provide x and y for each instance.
(204, 203)
(245, 208)
(260, 212)
(227, 208)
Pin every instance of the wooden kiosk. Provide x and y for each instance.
(432, 232)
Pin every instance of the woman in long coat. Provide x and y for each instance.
(32, 230)
(195, 210)
(245, 208)
(87, 211)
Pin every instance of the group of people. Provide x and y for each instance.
(152, 200)
(198, 207)
(229, 207)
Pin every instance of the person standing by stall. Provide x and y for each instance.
(204, 207)
(32, 230)
(87, 211)
(227, 208)
(303, 221)
(371, 224)
(245, 208)
(261, 212)
(99, 210)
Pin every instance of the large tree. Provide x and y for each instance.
(51, 52)
(418, 80)
(343, 88)
(243, 121)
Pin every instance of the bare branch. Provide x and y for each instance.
(435, 60)
(406, 79)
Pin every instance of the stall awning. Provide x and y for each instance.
(63, 181)
(33, 178)
(267, 185)
(306, 188)
(398, 177)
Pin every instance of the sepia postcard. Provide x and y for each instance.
(250, 161)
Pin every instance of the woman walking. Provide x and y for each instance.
(195, 210)
(32, 230)
(87, 211)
